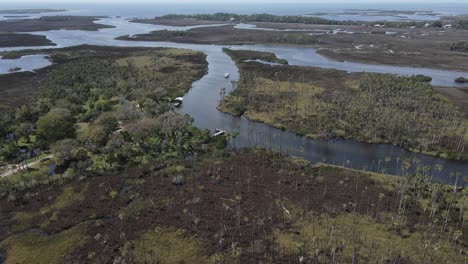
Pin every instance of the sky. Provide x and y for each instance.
(234, 1)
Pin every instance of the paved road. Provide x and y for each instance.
(31, 164)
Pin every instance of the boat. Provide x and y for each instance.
(178, 101)
(226, 75)
(218, 132)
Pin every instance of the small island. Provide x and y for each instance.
(14, 69)
(47, 23)
(23, 40)
(461, 80)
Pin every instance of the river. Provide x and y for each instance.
(201, 101)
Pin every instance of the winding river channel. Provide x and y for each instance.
(201, 101)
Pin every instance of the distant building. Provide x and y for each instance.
(427, 25)
(232, 19)
(413, 27)
(448, 26)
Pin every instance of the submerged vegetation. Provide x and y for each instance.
(14, 69)
(367, 107)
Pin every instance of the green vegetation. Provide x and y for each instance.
(225, 35)
(101, 108)
(250, 207)
(169, 247)
(243, 55)
(132, 181)
(295, 19)
(331, 233)
(461, 80)
(169, 33)
(460, 24)
(422, 78)
(372, 108)
(57, 124)
(36, 247)
(257, 18)
(21, 40)
(46, 23)
(459, 46)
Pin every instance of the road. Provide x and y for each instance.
(31, 164)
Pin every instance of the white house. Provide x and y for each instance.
(448, 26)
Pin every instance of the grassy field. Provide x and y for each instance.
(323, 103)
(246, 207)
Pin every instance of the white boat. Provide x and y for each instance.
(226, 75)
(219, 132)
(178, 101)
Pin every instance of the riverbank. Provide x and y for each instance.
(321, 103)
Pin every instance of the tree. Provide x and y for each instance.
(55, 125)
(25, 130)
(9, 151)
(108, 121)
(64, 150)
(437, 24)
(67, 151)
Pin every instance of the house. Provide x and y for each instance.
(448, 26)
